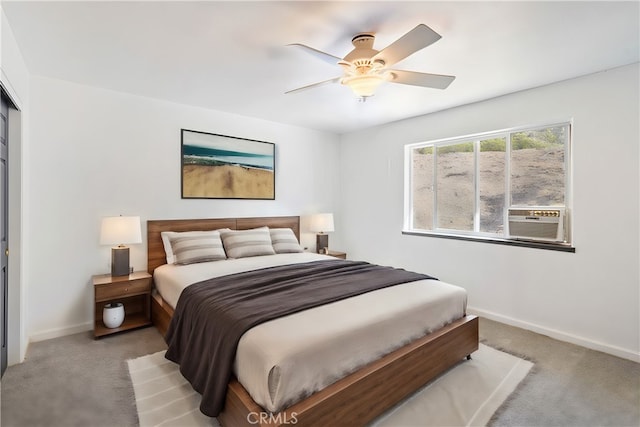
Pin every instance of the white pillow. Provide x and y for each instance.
(284, 241)
(246, 243)
(196, 247)
(166, 241)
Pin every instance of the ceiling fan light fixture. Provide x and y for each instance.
(365, 68)
(364, 85)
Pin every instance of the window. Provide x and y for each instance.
(464, 186)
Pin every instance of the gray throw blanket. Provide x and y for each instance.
(212, 315)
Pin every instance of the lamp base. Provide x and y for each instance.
(322, 243)
(120, 261)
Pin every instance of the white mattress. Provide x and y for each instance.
(284, 360)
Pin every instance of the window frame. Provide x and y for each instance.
(476, 234)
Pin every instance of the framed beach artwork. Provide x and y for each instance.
(226, 167)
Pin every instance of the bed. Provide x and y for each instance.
(354, 399)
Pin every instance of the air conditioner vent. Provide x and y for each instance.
(537, 223)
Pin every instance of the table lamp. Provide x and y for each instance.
(322, 223)
(120, 230)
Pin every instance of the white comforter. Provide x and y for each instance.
(283, 360)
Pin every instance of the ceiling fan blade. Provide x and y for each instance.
(437, 81)
(418, 38)
(333, 60)
(334, 80)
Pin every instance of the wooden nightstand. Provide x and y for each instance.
(337, 254)
(133, 291)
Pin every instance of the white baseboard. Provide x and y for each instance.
(60, 332)
(559, 335)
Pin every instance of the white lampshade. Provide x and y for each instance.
(120, 230)
(321, 223)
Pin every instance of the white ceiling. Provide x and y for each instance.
(232, 56)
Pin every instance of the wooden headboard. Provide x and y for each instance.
(155, 250)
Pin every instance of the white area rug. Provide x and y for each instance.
(467, 395)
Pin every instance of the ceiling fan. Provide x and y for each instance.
(365, 68)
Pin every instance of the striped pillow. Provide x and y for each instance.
(284, 240)
(197, 246)
(246, 243)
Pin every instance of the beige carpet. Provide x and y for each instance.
(467, 395)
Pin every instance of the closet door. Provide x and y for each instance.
(4, 209)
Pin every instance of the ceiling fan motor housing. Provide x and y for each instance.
(364, 50)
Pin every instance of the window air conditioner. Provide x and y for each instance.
(537, 223)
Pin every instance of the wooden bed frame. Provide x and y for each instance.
(354, 400)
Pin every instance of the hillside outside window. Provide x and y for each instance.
(464, 186)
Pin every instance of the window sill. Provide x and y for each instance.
(562, 247)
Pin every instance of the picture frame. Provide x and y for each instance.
(215, 166)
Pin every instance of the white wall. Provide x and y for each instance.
(14, 78)
(13, 71)
(98, 153)
(590, 297)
